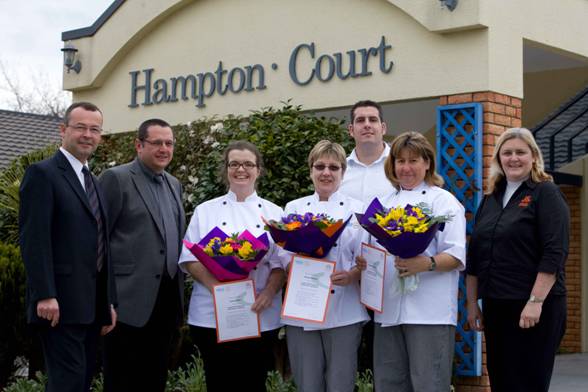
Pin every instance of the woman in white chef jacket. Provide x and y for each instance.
(415, 334)
(323, 356)
(245, 362)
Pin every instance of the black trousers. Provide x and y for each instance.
(70, 356)
(521, 360)
(237, 365)
(136, 358)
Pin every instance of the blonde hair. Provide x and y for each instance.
(417, 144)
(537, 174)
(328, 148)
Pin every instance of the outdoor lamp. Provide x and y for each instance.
(69, 58)
(450, 4)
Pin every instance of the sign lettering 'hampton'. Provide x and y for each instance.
(198, 87)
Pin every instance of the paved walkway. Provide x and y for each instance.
(570, 373)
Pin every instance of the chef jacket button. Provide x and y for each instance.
(259, 205)
(161, 251)
(423, 192)
(341, 203)
(224, 203)
(157, 276)
(332, 291)
(224, 223)
(308, 203)
(258, 226)
(334, 245)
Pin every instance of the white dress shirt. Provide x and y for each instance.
(232, 216)
(364, 183)
(435, 299)
(344, 307)
(76, 165)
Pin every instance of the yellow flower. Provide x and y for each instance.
(208, 251)
(423, 227)
(245, 251)
(226, 250)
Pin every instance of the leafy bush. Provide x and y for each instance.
(284, 136)
(26, 385)
(13, 341)
(10, 179)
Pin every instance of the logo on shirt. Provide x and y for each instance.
(525, 201)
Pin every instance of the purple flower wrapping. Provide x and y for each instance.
(229, 268)
(405, 245)
(308, 240)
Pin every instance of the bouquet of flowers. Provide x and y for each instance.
(307, 234)
(404, 231)
(229, 257)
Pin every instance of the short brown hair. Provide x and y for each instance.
(419, 145)
(328, 148)
(84, 105)
(240, 145)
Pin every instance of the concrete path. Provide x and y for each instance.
(570, 373)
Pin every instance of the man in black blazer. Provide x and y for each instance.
(70, 286)
(146, 227)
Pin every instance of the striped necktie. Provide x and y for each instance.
(95, 207)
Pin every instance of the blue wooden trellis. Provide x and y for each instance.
(459, 159)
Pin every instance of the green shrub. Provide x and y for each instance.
(10, 179)
(13, 340)
(26, 385)
(284, 136)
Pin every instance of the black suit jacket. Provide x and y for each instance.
(58, 241)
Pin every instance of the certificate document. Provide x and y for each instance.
(308, 290)
(232, 310)
(372, 278)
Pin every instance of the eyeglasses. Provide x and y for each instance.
(321, 167)
(83, 128)
(247, 165)
(161, 143)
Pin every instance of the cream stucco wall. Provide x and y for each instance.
(477, 47)
(202, 33)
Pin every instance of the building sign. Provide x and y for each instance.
(148, 89)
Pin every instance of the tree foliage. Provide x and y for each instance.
(284, 136)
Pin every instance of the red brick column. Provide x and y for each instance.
(572, 340)
(500, 113)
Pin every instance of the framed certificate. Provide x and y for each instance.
(308, 289)
(232, 310)
(372, 278)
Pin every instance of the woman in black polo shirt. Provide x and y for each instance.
(515, 264)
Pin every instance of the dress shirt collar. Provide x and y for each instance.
(353, 159)
(73, 161)
(233, 197)
(76, 165)
(150, 174)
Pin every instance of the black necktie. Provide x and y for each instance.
(95, 207)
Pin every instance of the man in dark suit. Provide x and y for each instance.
(146, 227)
(70, 285)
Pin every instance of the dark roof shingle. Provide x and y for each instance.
(21, 133)
(568, 127)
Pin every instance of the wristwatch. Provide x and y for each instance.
(535, 300)
(433, 265)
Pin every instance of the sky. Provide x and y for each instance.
(30, 38)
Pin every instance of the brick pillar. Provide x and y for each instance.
(500, 113)
(572, 340)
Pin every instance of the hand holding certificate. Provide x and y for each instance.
(372, 278)
(232, 308)
(308, 290)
